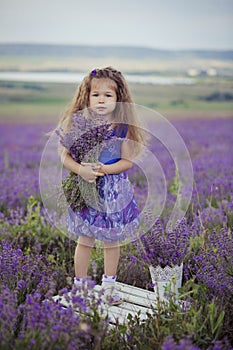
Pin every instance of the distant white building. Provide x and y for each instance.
(194, 72)
(212, 72)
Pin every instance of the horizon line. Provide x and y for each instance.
(129, 46)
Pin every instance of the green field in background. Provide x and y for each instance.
(46, 101)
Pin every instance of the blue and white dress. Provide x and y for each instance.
(118, 218)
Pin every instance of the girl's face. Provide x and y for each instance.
(103, 97)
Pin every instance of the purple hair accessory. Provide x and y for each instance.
(93, 72)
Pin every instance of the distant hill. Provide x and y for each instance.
(110, 51)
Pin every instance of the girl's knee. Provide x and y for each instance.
(86, 241)
(111, 244)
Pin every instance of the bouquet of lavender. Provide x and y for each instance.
(85, 139)
(158, 247)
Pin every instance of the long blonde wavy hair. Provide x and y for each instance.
(124, 112)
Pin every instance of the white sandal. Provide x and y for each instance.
(112, 295)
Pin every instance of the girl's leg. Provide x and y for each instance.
(111, 258)
(82, 256)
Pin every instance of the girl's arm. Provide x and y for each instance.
(116, 168)
(88, 173)
(69, 163)
(123, 164)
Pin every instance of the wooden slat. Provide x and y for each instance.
(136, 296)
(134, 300)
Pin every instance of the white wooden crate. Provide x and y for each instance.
(134, 299)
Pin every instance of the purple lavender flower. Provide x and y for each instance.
(85, 140)
(214, 263)
(21, 148)
(183, 344)
(9, 315)
(158, 247)
(209, 223)
(25, 273)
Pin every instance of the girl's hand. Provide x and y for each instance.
(90, 171)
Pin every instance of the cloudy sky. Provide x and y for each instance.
(169, 24)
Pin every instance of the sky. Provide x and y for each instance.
(162, 24)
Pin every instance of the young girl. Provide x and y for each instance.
(105, 92)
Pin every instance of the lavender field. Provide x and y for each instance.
(36, 260)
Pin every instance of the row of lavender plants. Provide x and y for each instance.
(36, 260)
